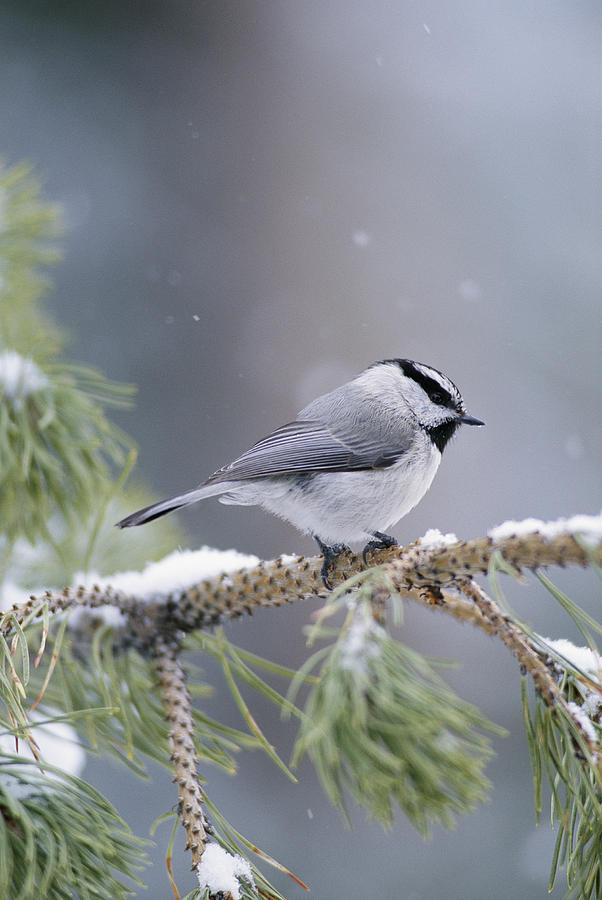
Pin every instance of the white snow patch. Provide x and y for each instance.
(592, 705)
(178, 571)
(433, 539)
(219, 870)
(588, 527)
(590, 663)
(586, 723)
(581, 657)
(19, 376)
(360, 641)
(288, 559)
(175, 572)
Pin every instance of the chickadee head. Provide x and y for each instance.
(431, 397)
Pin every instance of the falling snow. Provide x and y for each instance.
(361, 238)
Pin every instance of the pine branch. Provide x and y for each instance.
(178, 712)
(420, 572)
(431, 766)
(530, 661)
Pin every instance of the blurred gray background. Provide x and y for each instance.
(263, 198)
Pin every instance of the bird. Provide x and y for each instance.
(352, 464)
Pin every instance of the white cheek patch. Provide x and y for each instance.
(426, 412)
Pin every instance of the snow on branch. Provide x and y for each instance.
(197, 589)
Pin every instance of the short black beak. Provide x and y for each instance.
(470, 420)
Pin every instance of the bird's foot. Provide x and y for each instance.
(381, 542)
(330, 553)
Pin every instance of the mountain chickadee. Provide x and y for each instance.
(351, 465)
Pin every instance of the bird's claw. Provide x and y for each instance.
(330, 554)
(381, 542)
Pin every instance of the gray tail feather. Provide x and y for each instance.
(155, 510)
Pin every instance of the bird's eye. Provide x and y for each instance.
(437, 397)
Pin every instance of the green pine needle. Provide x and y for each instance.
(58, 451)
(384, 728)
(60, 838)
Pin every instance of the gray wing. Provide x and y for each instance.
(310, 446)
